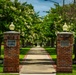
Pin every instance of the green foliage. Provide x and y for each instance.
(2, 51)
(53, 22)
(31, 26)
(26, 21)
(8, 74)
(1, 68)
(23, 51)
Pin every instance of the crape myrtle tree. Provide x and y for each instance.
(51, 24)
(68, 14)
(28, 24)
(55, 19)
(3, 19)
(22, 15)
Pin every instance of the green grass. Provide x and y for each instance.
(8, 74)
(2, 51)
(2, 55)
(1, 68)
(23, 52)
(52, 52)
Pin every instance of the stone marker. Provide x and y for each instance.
(64, 51)
(11, 51)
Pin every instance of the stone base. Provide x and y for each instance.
(64, 69)
(11, 69)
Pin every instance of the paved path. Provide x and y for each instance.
(37, 62)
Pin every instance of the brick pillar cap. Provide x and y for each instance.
(64, 33)
(12, 32)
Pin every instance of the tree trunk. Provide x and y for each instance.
(1, 39)
(0, 49)
(52, 42)
(74, 49)
(48, 43)
(23, 43)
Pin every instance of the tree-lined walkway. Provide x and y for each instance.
(37, 62)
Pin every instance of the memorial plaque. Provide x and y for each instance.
(64, 43)
(11, 43)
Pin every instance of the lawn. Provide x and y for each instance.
(23, 52)
(52, 52)
(8, 74)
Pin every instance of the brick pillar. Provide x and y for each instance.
(64, 51)
(11, 51)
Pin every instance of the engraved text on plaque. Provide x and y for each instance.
(11, 43)
(64, 43)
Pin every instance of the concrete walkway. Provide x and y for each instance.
(37, 62)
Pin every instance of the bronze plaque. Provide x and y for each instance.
(11, 43)
(64, 43)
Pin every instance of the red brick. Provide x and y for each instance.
(64, 54)
(11, 54)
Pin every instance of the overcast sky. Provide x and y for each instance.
(42, 5)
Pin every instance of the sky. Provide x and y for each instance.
(42, 5)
